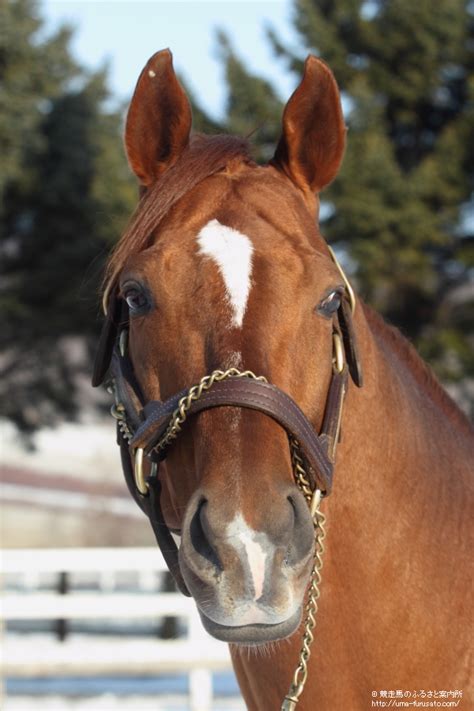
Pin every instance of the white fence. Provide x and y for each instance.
(197, 655)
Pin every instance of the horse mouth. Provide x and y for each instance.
(255, 634)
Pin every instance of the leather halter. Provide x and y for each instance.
(141, 425)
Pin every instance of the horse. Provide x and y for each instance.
(242, 362)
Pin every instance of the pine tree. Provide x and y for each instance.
(67, 193)
(253, 108)
(396, 210)
(31, 74)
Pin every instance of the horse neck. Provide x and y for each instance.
(391, 527)
(404, 440)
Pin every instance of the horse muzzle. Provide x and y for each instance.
(248, 584)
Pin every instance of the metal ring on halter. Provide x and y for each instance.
(117, 411)
(123, 342)
(140, 479)
(338, 357)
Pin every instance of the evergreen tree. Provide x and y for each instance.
(396, 209)
(31, 74)
(252, 106)
(67, 193)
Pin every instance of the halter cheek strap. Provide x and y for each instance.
(150, 504)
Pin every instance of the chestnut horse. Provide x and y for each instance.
(223, 267)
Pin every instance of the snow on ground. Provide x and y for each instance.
(81, 449)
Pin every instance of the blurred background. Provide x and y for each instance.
(400, 215)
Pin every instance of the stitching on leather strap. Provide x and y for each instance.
(256, 395)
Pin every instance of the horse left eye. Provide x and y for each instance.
(135, 299)
(330, 304)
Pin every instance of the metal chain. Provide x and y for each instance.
(118, 413)
(314, 499)
(179, 416)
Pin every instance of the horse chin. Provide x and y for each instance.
(252, 634)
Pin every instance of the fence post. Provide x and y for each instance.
(200, 680)
(168, 629)
(63, 588)
(200, 690)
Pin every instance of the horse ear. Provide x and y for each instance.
(312, 143)
(158, 121)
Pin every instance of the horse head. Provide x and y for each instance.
(223, 267)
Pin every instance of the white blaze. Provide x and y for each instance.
(232, 252)
(246, 538)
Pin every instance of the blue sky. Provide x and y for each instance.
(126, 33)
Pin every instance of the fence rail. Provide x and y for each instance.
(197, 654)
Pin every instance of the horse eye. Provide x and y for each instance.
(330, 304)
(135, 298)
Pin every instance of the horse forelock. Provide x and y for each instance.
(203, 157)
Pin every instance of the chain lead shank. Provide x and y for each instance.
(314, 500)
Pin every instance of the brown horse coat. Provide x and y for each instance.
(393, 612)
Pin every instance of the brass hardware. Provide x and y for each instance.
(123, 342)
(347, 284)
(289, 704)
(335, 439)
(314, 499)
(338, 352)
(105, 299)
(140, 478)
(117, 411)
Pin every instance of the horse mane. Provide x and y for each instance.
(420, 370)
(204, 156)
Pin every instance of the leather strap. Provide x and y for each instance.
(350, 342)
(255, 395)
(107, 341)
(151, 506)
(127, 389)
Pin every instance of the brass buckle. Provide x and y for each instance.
(347, 284)
(140, 480)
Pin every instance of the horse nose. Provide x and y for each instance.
(219, 536)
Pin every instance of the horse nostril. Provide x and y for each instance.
(199, 535)
(294, 510)
(302, 532)
(292, 502)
